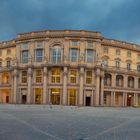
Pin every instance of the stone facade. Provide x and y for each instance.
(69, 67)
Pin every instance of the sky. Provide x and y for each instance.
(115, 19)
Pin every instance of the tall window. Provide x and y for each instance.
(25, 56)
(89, 56)
(0, 64)
(138, 57)
(105, 50)
(128, 66)
(73, 74)
(105, 62)
(8, 63)
(24, 77)
(39, 53)
(57, 55)
(89, 77)
(117, 64)
(38, 76)
(56, 75)
(118, 52)
(128, 54)
(8, 51)
(74, 55)
(138, 68)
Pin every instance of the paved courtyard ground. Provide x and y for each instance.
(38, 122)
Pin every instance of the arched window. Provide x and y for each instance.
(57, 54)
(131, 82)
(107, 79)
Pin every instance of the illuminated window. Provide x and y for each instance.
(74, 54)
(24, 77)
(25, 56)
(55, 75)
(39, 53)
(89, 56)
(73, 74)
(72, 97)
(89, 77)
(38, 76)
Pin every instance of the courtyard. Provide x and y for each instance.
(44, 122)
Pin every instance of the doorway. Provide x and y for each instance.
(88, 101)
(23, 99)
(55, 96)
(129, 100)
(7, 99)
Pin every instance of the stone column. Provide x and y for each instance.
(123, 99)
(112, 98)
(0, 96)
(81, 93)
(102, 89)
(29, 86)
(15, 86)
(136, 98)
(45, 99)
(125, 81)
(65, 75)
(97, 87)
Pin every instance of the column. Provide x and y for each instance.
(97, 87)
(136, 83)
(81, 94)
(123, 99)
(102, 89)
(15, 86)
(45, 99)
(65, 74)
(0, 96)
(29, 85)
(125, 81)
(112, 98)
(136, 98)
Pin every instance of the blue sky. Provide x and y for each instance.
(116, 19)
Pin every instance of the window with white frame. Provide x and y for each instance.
(117, 64)
(38, 76)
(55, 75)
(74, 54)
(90, 45)
(39, 55)
(57, 55)
(25, 56)
(89, 56)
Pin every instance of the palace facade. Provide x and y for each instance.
(69, 67)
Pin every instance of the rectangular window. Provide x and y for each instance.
(89, 77)
(128, 66)
(117, 64)
(105, 50)
(138, 68)
(24, 77)
(105, 62)
(90, 45)
(73, 74)
(74, 54)
(55, 75)
(8, 63)
(138, 57)
(118, 52)
(57, 55)
(75, 43)
(24, 46)
(8, 51)
(89, 56)
(38, 76)
(128, 54)
(0, 64)
(25, 56)
(39, 53)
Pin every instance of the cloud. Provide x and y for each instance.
(118, 19)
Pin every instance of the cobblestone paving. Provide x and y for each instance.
(38, 122)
